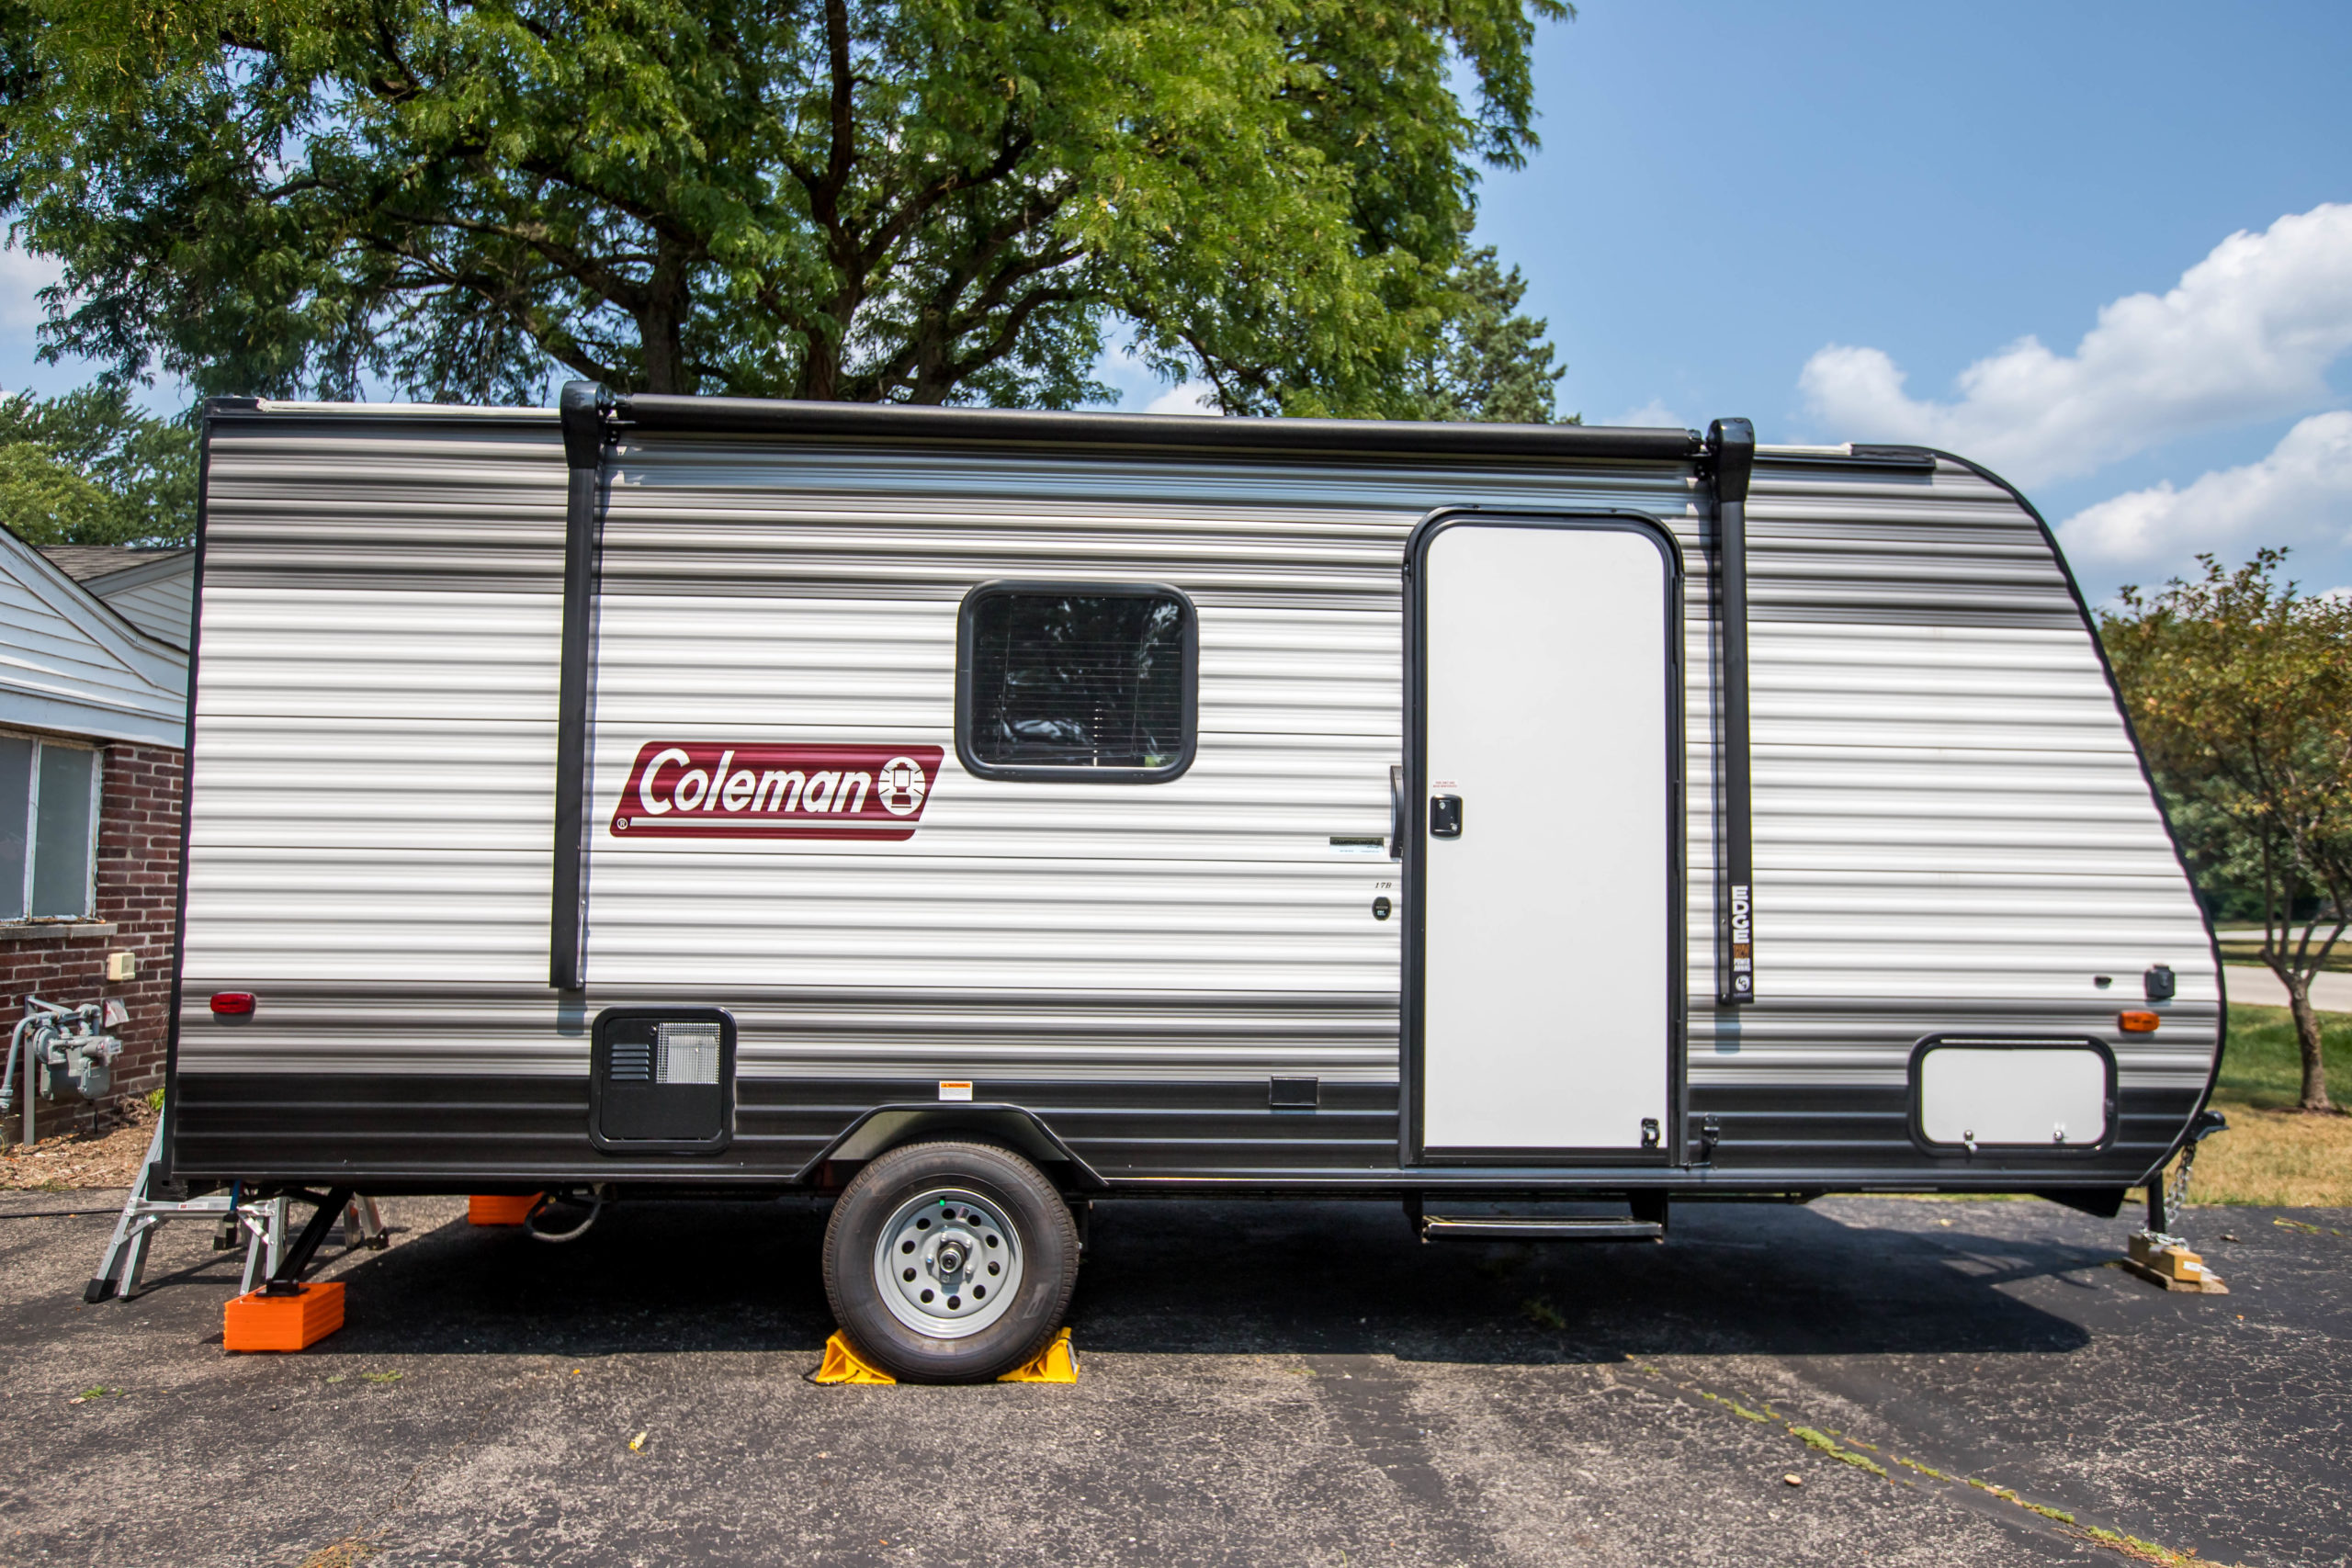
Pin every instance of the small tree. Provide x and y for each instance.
(90, 468)
(2240, 690)
(1488, 362)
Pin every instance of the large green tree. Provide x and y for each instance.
(2240, 690)
(920, 201)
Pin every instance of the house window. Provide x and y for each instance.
(1077, 681)
(49, 821)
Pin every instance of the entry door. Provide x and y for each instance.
(1543, 986)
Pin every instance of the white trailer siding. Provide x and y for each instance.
(1952, 829)
(794, 595)
(1951, 818)
(370, 784)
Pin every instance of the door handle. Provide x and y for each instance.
(1395, 811)
(1445, 817)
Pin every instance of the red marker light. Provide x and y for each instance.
(233, 1003)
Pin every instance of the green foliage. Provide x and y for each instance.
(2240, 690)
(915, 200)
(1488, 361)
(88, 467)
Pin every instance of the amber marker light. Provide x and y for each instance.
(2137, 1022)
(234, 1004)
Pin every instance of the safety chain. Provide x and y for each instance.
(2176, 1185)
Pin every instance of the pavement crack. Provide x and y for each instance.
(1978, 1495)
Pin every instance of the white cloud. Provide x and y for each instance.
(2299, 494)
(1651, 414)
(2248, 333)
(1185, 397)
(21, 277)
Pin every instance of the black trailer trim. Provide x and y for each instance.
(1860, 454)
(431, 1132)
(1731, 446)
(584, 410)
(1412, 824)
(885, 1127)
(907, 423)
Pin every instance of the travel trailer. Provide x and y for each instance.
(969, 814)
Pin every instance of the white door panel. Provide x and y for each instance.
(1546, 1010)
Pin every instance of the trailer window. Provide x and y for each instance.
(48, 822)
(1092, 680)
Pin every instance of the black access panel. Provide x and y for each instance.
(661, 1080)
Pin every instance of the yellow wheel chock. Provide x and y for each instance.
(1056, 1363)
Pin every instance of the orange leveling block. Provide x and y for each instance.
(257, 1321)
(486, 1210)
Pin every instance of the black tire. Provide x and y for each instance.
(1044, 1231)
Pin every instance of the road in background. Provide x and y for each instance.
(2249, 985)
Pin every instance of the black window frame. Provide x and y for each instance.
(1065, 772)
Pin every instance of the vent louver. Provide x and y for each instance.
(632, 1062)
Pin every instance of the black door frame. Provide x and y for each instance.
(1411, 1152)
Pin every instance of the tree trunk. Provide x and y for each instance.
(2299, 1003)
(661, 325)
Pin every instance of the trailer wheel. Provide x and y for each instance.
(950, 1262)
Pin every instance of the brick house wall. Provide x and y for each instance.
(138, 898)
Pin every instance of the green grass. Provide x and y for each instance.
(2273, 1154)
(2263, 1067)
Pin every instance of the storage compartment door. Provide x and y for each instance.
(2014, 1095)
(1544, 985)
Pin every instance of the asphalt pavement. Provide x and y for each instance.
(1274, 1384)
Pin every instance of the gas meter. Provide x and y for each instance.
(66, 1051)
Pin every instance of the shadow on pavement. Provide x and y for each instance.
(1237, 1278)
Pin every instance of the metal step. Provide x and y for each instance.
(1538, 1227)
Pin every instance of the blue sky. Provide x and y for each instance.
(1824, 214)
(1727, 190)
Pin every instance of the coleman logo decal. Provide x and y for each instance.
(682, 789)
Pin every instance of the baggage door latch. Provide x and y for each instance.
(1445, 817)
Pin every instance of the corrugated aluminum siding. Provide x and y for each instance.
(759, 594)
(1953, 830)
(375, 745)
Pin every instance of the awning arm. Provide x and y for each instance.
(583, 413)
(1731, 457)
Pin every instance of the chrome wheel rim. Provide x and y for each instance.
(947, 1263)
